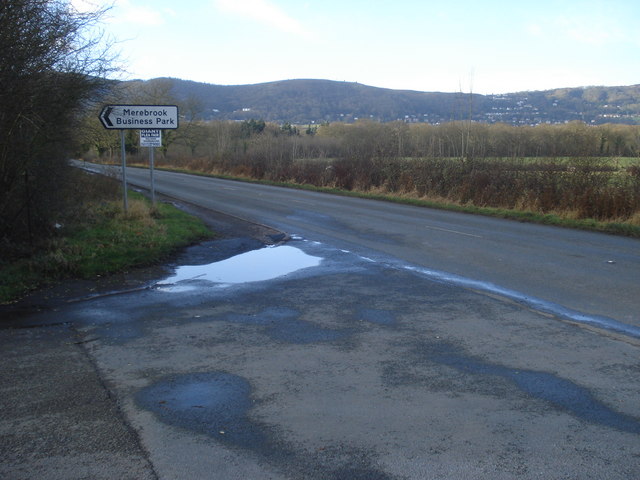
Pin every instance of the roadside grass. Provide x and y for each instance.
(105, 240)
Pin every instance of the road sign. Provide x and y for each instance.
(128, 117)
(151, 138)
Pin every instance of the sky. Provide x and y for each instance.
(473, 46)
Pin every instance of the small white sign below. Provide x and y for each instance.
(150, 138)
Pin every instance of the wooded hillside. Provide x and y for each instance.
(318, 101)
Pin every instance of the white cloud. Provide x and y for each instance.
(265, 12)
(586, 30)
(126, 11)
(535, 29)
(589, 31)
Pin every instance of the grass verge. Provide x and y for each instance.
(105, 240)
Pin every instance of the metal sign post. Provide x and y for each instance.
(138, 117)
(151, 139)
(153, 183)
(124, 171)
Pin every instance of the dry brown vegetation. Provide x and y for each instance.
(574, 170)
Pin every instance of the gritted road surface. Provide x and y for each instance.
(377, 342)
(592, 273)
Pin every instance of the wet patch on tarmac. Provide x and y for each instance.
(122, 318)
(283, 324)
(290, 310)
(217, 404)
(537, 304)
(377, 316)
(561, 393)
(119, 333)
(217, 250)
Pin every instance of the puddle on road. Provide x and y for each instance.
(218, 404)
(254, 266)
(215, 404)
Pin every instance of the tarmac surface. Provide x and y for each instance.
(260, 356)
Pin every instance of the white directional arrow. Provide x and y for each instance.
(104, 117)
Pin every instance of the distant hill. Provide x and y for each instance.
(316, 101)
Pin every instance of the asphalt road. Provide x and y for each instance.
(344, 353)
(588, 273)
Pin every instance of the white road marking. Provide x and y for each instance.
(454, 231)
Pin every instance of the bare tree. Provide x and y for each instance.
(51, 64)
